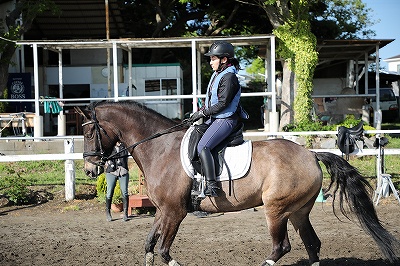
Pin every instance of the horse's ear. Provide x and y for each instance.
(81, 112)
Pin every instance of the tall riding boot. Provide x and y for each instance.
(108, 207)
(207, 165)
(125, 202)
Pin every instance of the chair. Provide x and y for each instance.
(73, 122)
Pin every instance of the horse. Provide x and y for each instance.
(284, 177)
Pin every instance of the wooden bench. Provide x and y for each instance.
(139, 200)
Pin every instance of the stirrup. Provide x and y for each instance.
(211, 189)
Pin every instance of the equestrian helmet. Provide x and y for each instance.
(221, 49)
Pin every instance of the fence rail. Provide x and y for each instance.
(78, 156)
(69, 155)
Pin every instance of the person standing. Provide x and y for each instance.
(222, 108)
(117, 169)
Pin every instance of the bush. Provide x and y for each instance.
(15, 188)
(349, 121)
(101, 187)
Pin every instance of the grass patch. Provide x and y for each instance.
(51, 176)
(71, 208)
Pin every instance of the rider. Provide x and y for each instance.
(221, 107)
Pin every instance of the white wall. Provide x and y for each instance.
(99, 85)
(328, 86)
(394, 66)
(71, 75)
(141, 73)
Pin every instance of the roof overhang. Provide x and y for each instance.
(339, 50)
(80, 19)
(328, 50)
(130, 43)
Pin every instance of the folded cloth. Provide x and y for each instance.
(52, 106)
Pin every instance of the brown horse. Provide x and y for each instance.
(284, 177)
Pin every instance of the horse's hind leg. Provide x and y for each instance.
(302, 224)
(277, 228)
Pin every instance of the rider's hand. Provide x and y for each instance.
(196, 116)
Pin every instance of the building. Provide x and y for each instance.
(393, 64)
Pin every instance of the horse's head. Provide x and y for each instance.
(98, 141)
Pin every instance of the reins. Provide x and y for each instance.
(104, 158)
(159, 134)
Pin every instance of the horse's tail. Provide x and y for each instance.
(356, 191)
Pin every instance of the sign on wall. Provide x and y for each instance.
(19, 87)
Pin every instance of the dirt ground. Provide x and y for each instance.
(76, 233)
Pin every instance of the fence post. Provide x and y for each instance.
(69, 171)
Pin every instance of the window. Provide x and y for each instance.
(157, 87)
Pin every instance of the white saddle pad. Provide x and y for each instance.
(236, 164)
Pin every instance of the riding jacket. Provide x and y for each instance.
(119, 165)
(223, 94)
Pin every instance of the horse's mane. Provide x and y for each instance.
(134, 107)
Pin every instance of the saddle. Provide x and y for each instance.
(234, 139)
(347, 137)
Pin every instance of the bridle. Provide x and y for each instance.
(101, 153)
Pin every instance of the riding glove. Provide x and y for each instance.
(196, 116)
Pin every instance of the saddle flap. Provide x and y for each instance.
(346, 137)
(194, 139)
(236, 160)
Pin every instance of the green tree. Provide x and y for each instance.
(17, 22)
(341, 19)
(292, 21)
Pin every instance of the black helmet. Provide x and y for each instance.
(221, 49)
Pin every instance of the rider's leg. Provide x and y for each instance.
(216, 132)
(207, 165)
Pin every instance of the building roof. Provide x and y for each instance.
(128, 43)
(393, 58)
(338, 50)
(79, 19)
(329, 50)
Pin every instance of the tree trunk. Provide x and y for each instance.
(5, 57)
(288, 93)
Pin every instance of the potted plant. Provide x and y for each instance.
(101, 187)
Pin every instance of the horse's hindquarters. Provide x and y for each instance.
(282, 174)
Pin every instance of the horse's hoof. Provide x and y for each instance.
(173, 263)
(315, 263)
(149, 259)
(269, 262)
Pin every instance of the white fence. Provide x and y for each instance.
(69, 155)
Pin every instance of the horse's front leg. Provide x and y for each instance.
(151, 241)
(169, 229)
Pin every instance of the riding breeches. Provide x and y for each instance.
(218, 130)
